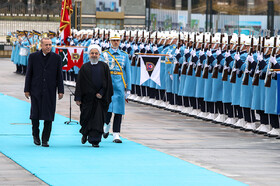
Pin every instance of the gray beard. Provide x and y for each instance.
(93, 60)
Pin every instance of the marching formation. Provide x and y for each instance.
(220, 77)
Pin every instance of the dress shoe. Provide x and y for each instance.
(105, 135)
(117, 141)
(84, 139)
(95, 144)
(45, 144)
(36, 141)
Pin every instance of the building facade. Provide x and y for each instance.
(112, 14)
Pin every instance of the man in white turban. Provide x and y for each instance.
(93, 94)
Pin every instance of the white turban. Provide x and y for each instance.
(94, 47)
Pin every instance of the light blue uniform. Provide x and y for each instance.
(117, 105)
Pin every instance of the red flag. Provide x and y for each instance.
(65, 25)
(75, 58)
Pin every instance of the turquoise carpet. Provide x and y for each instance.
(68, 162)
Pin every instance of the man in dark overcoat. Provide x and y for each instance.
(43, 80)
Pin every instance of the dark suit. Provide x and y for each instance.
(43, 78)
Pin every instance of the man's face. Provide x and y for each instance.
(46, 46)
(115, 43)
(94, 54)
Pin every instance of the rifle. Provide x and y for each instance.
(133, 60)
(93, 35)
(206, 67)
(199, 66)
(176, 68)
(256, 76)
(27, 37)
(233, 72)
(190, 67)
(185, 65)
(246, 74)
(225, 70)
(98, 33)
(103, 37)
(129, 40)
(267, 80)
(216, 69)
(143, 36)
(156, 39)
(124, 36)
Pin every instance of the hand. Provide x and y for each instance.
(78, 103)
(60, 96)
(186, 51)
(237, 57)
(27, 95)
(260, 57)
(193, 53)
(148, 47)
(135, 47)
(127, 93)
(209, 53)
(273, 60)
(170, 55)
(177, 51)
(218, 52)
(99, 96)
(127, 45)
(227, 54)
(201, 53)
(155, 48)
(142, 46)
(250, 58)
(97, 42)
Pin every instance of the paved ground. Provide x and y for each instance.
(247, 157)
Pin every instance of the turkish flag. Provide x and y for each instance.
(65, 24)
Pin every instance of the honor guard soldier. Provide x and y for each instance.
(119, 64)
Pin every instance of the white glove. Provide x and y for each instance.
(170, 56)
(218, 52)
(97, 42)
(187, 50)
(148, 47)
(201, 53)
(237, 57)
(226, 68)
(209, 53)
(122, 45)
(57, 42)
(107, 45)
(260, 56)
(127, 45)
(185, 63)
(227, 54)
(72, 43)
(126, 94)
(142, 46)
(70, 37)
(257, 71)
(246, 71)
(135, 47)
(250, 58)
(92, 42)
(177, 51)
(206, 65)
(171, 76)
(234, 69)
(273, 60)
(155, 48)
(193, 53)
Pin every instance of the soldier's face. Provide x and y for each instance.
(46, 46)
(115, 43)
